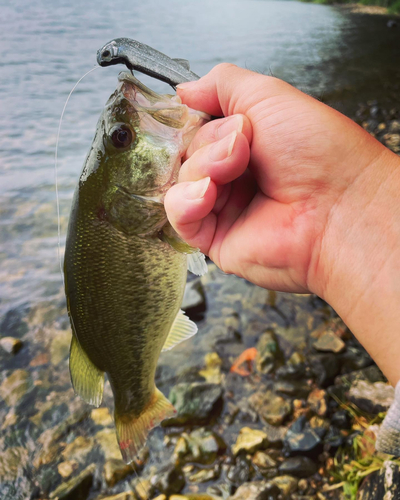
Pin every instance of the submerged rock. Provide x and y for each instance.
(270, 407)
(205, 475)
(116, 470)
(286, 484)
(60, 345)
(15, 387)
(195, 403)
(191, 496)
(101, 416)
(79, 449)
(318, 402)
(298, 466)
(257, 490)
(10, 344)
(201, 446)
(194, 298)
(168, 480)
(12, 463)
(77, 488)
(269, 354)
(329, 342)
(372, 398)
(126, 495)
(249, 441)
(301, 438)
(67, 468)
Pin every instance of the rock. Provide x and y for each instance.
(205, 475)
(15, 387)
(191, 496)
(78, 450)
(325, 368)
(77, 488)
(301, 439)
(298, 467)
(101, 416)
(286, 484)
(329, 342)
(115, 470)
(341, 420)
(291, 372)
(201, 446)
(263, 461)
(65, 469)
(392, 141)
(394, 127)
(194, 299)
(370, 374)
(318, 402)
(355, 358)
(334, 438)
(107, 440)
(10, 344)
(270, 407)
(256, 490)
(59, 348)
(372, 398)
(382, 484)
(275, 434)
(212, 371)
(195, 403)
(295, 388)
(168, 480)
(249, 441)
(12, 463)
(240, 471)
(127, 495)
(269, 354)
(40, 360)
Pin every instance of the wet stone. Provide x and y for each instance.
(168, 480)
(325, 368)
(263, 461)
(66, 469)
(194, 297)
(205, 475)
(77, 488)
(286, 484)
(191, 496)
(115, 470)
(195, 403)
(249, 441)
(257, 490)
(212, 371)
(15, 387)
(341, 420)
(295, 388)
(123, 496)
(370, 374)
(240, 472)
(78, 450)
(298, 467)
(59, 348)
(334, 438)
(101, 416)
(372, 398)
(201, 446)
(355, 358)
(318, 402)
(107, 440)
(301, 439)
(12, 462)
(270, 407)
(10, 344)
(269, 354)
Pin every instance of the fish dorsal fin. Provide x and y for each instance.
(182, 329)
(183, 62)
(87, 380)
(197, 263)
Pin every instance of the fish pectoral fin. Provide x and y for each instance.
(87, 379)
(182, 329)
(196, 260)
(132, 431)
(183, 62)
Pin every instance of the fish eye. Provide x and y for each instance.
(122, 136)
(106, 53)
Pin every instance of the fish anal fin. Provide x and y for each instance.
(182, 329)
(132, 432)
(87, 380)
(183, 62)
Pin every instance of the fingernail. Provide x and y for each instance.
(197, 189)
(223, 148)
(186, 85)
(231, 124)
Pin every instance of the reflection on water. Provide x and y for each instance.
(45, 49)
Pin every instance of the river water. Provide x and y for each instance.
(336, 56)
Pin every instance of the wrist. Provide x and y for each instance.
(357, 260)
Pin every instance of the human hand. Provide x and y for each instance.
(294, 196)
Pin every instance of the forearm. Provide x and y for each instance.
(358, 270)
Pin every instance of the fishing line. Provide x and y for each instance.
(56, 173)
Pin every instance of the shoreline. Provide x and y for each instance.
(358, 8)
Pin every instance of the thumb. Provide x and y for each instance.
(228, 89)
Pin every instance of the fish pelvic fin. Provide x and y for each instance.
(132, 432)
(182, 329)
(197, 263)
(388, 440)
(87, 380)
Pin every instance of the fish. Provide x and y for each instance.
(143, 58)
(125, 267)
(388, 439)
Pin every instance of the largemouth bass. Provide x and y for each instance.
(139, 56)
(125, 268)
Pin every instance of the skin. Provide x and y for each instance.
(293, 196)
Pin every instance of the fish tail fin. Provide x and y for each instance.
(132, 432)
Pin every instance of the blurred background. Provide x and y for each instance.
(347, 56)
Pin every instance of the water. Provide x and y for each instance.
(47, 46)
